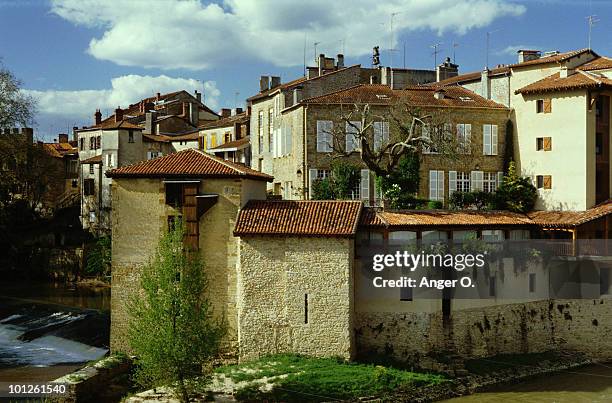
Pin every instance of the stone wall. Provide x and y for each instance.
(576, 325)
(295, 295)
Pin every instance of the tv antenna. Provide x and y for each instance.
(455, 46)
(591, 20)
(435, 48)
(315, 50)
(487, 48)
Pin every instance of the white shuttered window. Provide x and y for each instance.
(351, 130)
(381, 135)
(364, 187)
(436, 185)
(324, 136)
(489, 140)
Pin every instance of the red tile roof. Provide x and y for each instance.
(96, 159)
(226, 122)
(578, 80)
(432, 218)
(378, 94)
(232, 144)
(600, 63)
(59, 150)
(323, 218)
(110, 124)
(569, 219)
(187, 163)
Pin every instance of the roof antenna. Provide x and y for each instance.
(315, 50)
(455, 46)
(435, 47)
(592, 20)
(488, 43)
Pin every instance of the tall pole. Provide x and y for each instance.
(592, 20)
(435, 47)
(391, 49)
(315, 50)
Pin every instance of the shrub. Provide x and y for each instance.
(99, 258)
(479, 199)
(516, 193)
(322, 189)
(435, 205)
(345, 179)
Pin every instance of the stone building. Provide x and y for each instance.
(228, 137)
(153, 127)
(269, 135)
(65, 191)
(293, 275)
(560, 103)
(301, 151)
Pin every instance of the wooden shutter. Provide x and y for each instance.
(547, 143)
(440, 185)
(500, 178)
(494, 140)
(486, 139)
(289, 140)
(468, 137)
(476, 181)
(433, 185)
(547, 105)
(547, 182)
(385, 132)
(312, 175)
(452, 182)
(321, 136)
(192, 231)
(378, 136)
(365, 184)
(426, 134)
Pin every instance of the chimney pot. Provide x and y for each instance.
(198, 95)
(97, 117)
(340, 61)
(525, 55)
(226, 112)
(274, 81)
(264, 83)
(118, 114)
(62, 138)
(158, 97)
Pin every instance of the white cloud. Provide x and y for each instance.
(124, 90)
(171, 34)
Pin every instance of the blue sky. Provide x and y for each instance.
(76, 55)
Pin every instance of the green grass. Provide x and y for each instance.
(485, 366)
(321, 379)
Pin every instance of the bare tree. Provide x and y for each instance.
(16, 108)
(382, 138)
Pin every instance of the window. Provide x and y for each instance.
(74, 183)
(270, 128)
(489, 181)
(98, 142)
(212, 140)
(153, 154)
(88, 187)
(92, 216)
(402, 238)
(130, 136)
(228, 137)
(434, 236)
(543, 143)
(287, 190)
(464, 137)
(316, 174)
(544, 181)
(109, 160)
(598, 143)
(436, 185)
(364, 186)
(92, 143)
(492, 235)
(352, 131)
(381, 135)
(81, 144)
(489, 139)
(464, 235)
(261, 131)
(519, 234)
(306, 309)
(463, 181)
(532, 282)
(544, 106)
(324, 136)
(174, 194)
(91, 169)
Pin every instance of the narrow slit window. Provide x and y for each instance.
(492, 286)
(532, 282)
(306, 308)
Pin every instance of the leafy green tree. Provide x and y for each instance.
(172, 330)
(322, 189)
(402, 184)
(16, 107)
(99, 257)
(516, 193)
(345, 179)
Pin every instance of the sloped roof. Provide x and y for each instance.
(578, 80)
(600, 63)
(378, 94)
(96, 159)
(430, 218)
(59, 150)
(110, 124)
(187, 163)
(226, 122)
(322, 218)
(569, 219)
(232, 144)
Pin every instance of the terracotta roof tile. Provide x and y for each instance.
(324, 218)
(110, 124)
(96, 159)
(232, 144)
(226, 122)
(578, 80)
(187, 163)
(568, 219)
(413, 218)
(557, 58)
(600, 63)
(378, 94)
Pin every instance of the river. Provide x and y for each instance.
(49, 330)
(592, 384)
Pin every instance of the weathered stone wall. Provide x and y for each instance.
(274, 277)
(578, 325)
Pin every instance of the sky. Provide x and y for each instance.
(74, 56)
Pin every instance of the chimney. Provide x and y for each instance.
(446, 70)
(236, 111)
(274, 81)
(311, 72)
(439, 93)
(149, 106)
(198, 95)
(62, 138)
(297, 95)
(158, 97)
(75, 135)
(97, 117)
(565, 72)
(340, 62)
(118, 114)
(485, 83)
(264, 83)
(527, 55)
(226, 112)
(321, 63)
(150, 122)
